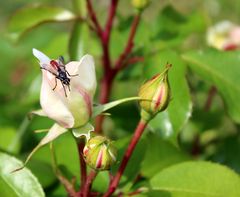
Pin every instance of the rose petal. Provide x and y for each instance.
(41, 56)
(80, 105)
(55, 105)
(86, 74)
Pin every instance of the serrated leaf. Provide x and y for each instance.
(19, 184)
(29, 17)
(160, 154)
(222, 70)
(197, 179)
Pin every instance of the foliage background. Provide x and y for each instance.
(169, 31)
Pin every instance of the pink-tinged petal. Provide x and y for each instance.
(86, 74)
(54, 104)
(80, 105)
(235, 35)
(41, 56)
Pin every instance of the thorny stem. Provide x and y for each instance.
(137, 134)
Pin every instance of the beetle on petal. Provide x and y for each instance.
(73, 108)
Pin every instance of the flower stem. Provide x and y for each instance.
(137, 134)
(88, 183)
(110, 74)
(130, 43)
(211, 93)
(83, 168)
(94, 18)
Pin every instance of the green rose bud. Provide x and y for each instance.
(155, 94)
(140, 4)
(99, 153)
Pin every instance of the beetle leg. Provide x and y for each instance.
(71, 75)
(64, 89)
(55, 84)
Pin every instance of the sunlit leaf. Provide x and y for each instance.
(197, 179)
(29, 17)
(19, 184)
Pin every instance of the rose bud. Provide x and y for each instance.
(69, 105)
(140, 4)
(99, 153)
(155, 94)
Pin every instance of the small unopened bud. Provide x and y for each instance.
(140, 4)
(155, 94)
(99, 153)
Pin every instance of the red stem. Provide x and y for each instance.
(88, 184)
(137, 134)
(211, 93)
(105, 87)
(83, 168)
(111, 14)
(105, 37)
(128, 48)
(94, 18)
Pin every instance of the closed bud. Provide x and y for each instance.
(155, 94)
(140, 4)
(99, 153)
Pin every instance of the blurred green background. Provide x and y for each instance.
(169, 27)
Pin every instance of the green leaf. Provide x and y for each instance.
(222, 70)
(171, 121)
(22, 183)
(197, 179)
(43, 171)
(29, 17)
(159, 155)
(7, 136)
(78, 43)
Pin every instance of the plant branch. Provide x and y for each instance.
(130, 43)
(211, 93)
(83, 167)
(88, 183)
(109, 23)
(94, 18)
(137, 134)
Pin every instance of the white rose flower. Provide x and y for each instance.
(74, 109)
